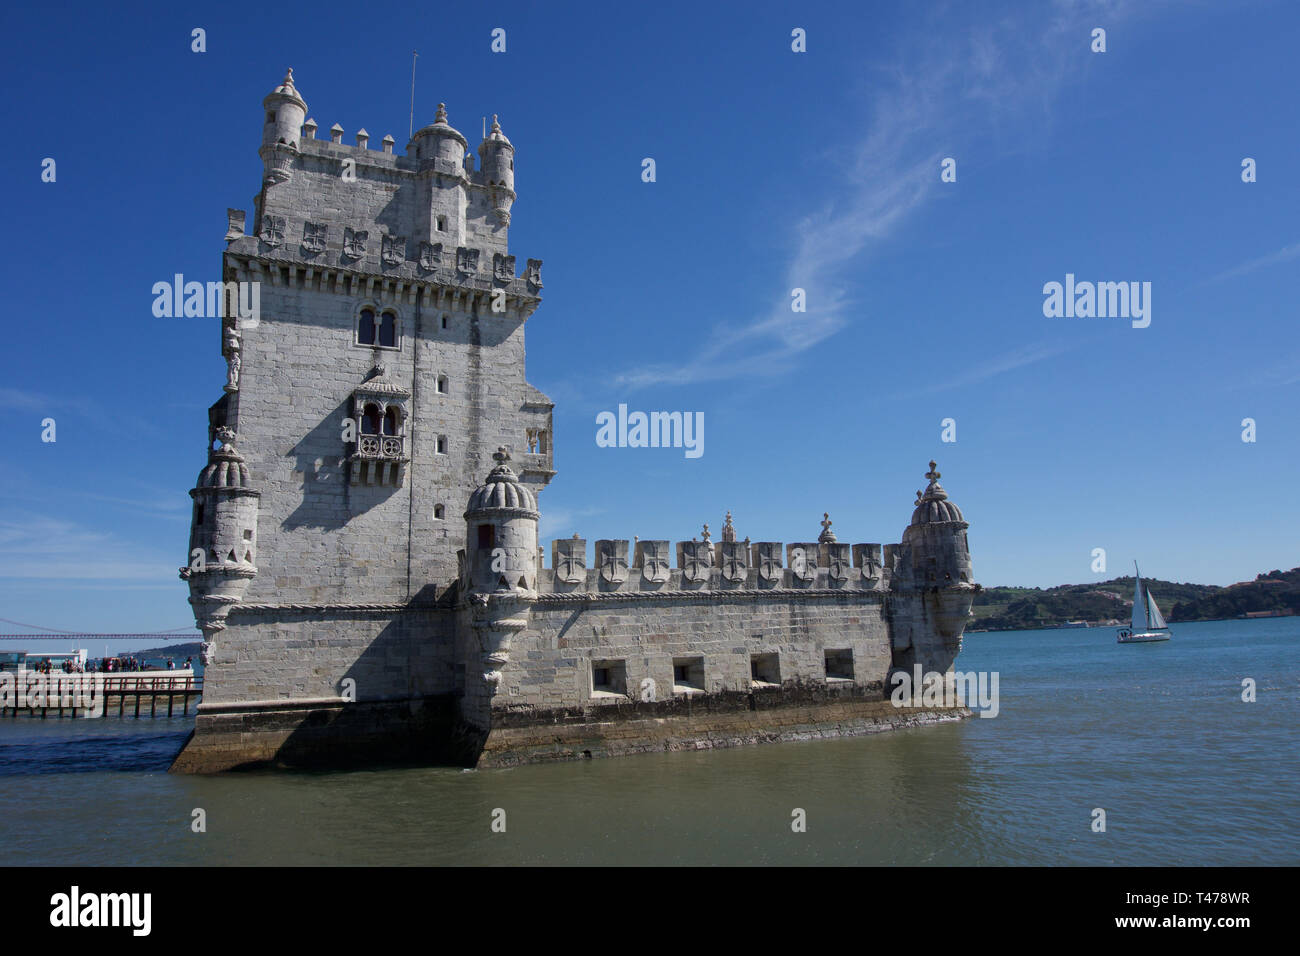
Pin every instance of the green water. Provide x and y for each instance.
(1156, 735)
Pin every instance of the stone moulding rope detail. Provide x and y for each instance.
(705, 594)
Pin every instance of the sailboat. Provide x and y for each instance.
(1148, 623)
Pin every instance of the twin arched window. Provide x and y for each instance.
(372, 421)
(379, 331)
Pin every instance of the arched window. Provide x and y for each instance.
(439, 512)
(390, 421)
(388, 330)
(443, 385)
(366, 328)
(370, 420)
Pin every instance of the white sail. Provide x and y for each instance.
(1139, 606)
(1155, 620)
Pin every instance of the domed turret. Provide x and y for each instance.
(499, 574)
(223, 538)
(285, 112)
(501, 531)
(933, 505)
(936, 538)
(442, 144)
(497, 162)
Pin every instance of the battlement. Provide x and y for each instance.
(647, 566)
(323, 197)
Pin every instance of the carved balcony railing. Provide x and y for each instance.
(379, 460)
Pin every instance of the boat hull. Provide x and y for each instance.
(1127, 637)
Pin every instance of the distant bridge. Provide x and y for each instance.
(54, 634)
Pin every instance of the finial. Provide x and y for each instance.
(827, 536)
(288, 80)
(575, 536)
(704, 535)
(441, 115)
(502, 455)
(728, 529)
(496, 127)
(918, 496)
(932, 474)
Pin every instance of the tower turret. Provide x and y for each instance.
(499, 574)
(497, 162)
(934, 582)
(285, 112)
(223, 539)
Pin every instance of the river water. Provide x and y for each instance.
(1155, 735)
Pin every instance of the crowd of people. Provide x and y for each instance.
(109, 665)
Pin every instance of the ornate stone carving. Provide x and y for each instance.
(233, 362)
(767, 558)
(430, 255)
(653, 557)
(569, 558)
(695, 558)
(394, 250)
(827, 536)
(728, 529)
(802, 559)
(354, 242)
(272, 230)
(503, 267)
(735, 561)
(314, 237)
(466, 260)
(838, 559)
(611, 558)
(866, 557)
(533, 274)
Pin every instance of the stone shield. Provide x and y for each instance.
(569, 558)
(802, 559)
(611, 558)
(653, 556)
(838, 560)
(767, 558)
(734, 561)
(695, 558)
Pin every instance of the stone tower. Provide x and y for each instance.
(386, 361)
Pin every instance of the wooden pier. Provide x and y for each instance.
(129, 691)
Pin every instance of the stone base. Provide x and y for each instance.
(328, 734)
(700, 723)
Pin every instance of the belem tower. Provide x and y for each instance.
(363, 558)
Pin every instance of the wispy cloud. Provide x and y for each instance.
(39, 548)
(943, 91)
(982, 372)
(1282, 255)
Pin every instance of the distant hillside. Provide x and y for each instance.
(1012, 608)
(1277, 591)
(178, 651)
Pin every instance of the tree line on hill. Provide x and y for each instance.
(1012, 608)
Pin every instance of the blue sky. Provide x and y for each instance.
(775, 170)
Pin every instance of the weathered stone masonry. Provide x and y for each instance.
(365, 595)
